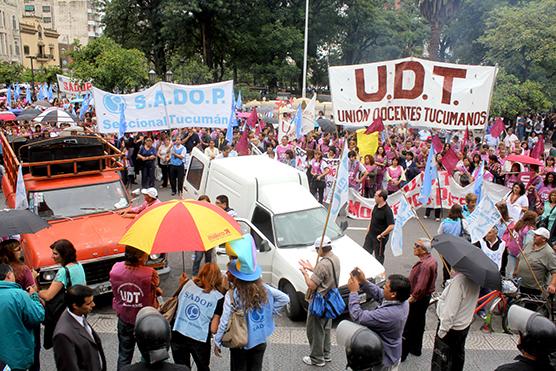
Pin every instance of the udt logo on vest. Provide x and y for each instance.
(131, 295)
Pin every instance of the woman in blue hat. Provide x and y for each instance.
(259, 302)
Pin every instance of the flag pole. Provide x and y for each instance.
(304, 88)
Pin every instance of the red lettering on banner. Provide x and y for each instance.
(360, 85)
(417, 89)
(449, 75)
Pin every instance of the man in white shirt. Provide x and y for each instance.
(511, 140)
(76, 345)
(455, 313)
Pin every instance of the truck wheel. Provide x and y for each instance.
(294, 310)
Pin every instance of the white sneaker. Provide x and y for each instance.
(307, 360)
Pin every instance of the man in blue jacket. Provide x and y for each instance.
(21, 312)
(388, 319)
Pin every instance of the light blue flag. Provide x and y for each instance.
(230, 130)
(84, 107)
(483, 218)
(123, 124)
(17, 91)
(298, 120)
(20, 192)
(9, 96)
(341, 193)
(430, 175)
(478, 187)
(239, 103)
(40, 94)
(402, 216)
(28, 95)
(49, 93)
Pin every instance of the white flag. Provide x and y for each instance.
(403, 215)
(483, 218)
(20, 192)
(341, 193)
(309, 116)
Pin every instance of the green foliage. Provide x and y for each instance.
(46, 74)
(437, 13)
(10, 72)
(522, 39)
(191, 71)
(511, 97)
(110, 66)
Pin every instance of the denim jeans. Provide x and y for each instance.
(126, 343)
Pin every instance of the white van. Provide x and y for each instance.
(274, 205)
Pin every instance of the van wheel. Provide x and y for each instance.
(294, 309)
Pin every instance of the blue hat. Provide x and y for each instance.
(244, 272)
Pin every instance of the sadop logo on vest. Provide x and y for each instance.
(192, 312)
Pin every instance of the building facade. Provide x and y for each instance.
(40, 43)
(77, 20)
(10, 40)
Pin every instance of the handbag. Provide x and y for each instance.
(53, 309)
(441, 355)
(331, 305)
(235, 335)
(543, 222)
(170, 306)
(463, 233)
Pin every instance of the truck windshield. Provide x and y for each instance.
(76, 201)
(301, 228)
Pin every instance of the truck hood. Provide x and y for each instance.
(93, 236)
(351, 255)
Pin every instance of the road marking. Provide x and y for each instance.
(108, 324)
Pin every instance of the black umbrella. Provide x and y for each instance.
(469, 260)
(55, 115)
(28, 114)
(326, 125)
(18, 221)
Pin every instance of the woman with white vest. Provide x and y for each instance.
(259, 302)
(200, 304)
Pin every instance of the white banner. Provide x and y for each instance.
(166, 106)
(417, 91)
(483, 218)
(448, 194)
(72, 86)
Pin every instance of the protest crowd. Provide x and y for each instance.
(518, 154)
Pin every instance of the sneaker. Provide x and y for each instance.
(173, 193)
(425, 217)
(307, 360)
(327, 359)
(437, 219)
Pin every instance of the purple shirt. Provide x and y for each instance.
(388, 320)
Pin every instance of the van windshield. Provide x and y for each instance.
(76, 201)
(301, 228)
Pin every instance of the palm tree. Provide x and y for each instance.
(437, 13)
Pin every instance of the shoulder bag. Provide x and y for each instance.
(53, 309)
(331, 305)
(235, 335)
(170, 306)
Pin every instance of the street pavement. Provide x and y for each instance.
(289, 343)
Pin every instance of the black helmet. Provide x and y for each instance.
(363, 347)
(152, 332)
(538, 334)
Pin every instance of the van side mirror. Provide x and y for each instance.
(264, 246)
(344, 225)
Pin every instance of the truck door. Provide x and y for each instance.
(196, 174)
(265, 250)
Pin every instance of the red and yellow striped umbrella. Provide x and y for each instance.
(181, 225)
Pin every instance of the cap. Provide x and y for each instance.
(326, 241)
(151, 192)
(543, 232)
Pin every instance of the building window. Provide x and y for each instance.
(26, 49)
(29, 8)
(51, 50)
(47, 19)
(16, 47)
(46, 9)
(14, 23)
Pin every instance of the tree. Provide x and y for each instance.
(46, 74)
(110, 66)
(512, 98)
(437, 13)
(10, 72)
(522, 39)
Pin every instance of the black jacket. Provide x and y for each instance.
(74, 350)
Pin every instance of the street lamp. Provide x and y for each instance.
(152, 76)
(31, 57)
(169, 76)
